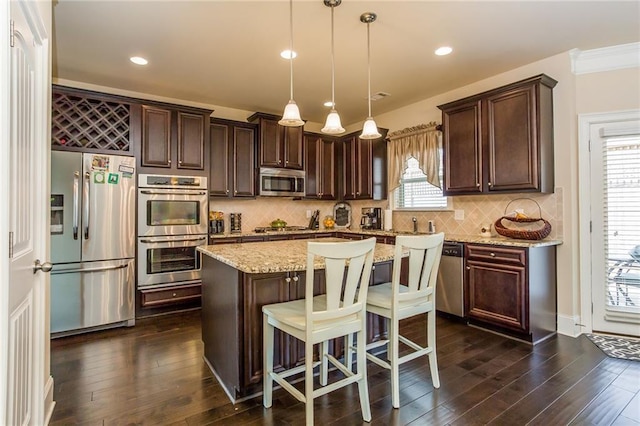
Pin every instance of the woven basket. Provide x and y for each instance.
(523, 234)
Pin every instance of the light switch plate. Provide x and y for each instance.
(308, 214)
(458, 214)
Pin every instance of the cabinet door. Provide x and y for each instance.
(349, 168)
(190, 141)
(293, 147)
(156, 137)
(512, 140)
(244, 159)
(320, 159)
(270, 143)
(463, 149)
(364, 172)
(260, 290)
(219, 160)
(497, 294)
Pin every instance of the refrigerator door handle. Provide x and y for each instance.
(85, 202)
(76, 205)
(73, 271)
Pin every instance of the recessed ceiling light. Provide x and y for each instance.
(138, 60)
(444, 50)
(286, 54)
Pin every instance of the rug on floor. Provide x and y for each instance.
(616, 346)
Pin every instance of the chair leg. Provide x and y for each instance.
(392, 354)
(324, 362)
(361, 369)
(308, 382)
(348, 351)
(431, 342)
(267, 362)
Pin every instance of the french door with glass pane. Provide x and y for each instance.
(615, 221)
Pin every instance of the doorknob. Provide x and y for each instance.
(44, 267)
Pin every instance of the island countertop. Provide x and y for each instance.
(278, 256)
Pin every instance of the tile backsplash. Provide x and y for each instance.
(478, 210)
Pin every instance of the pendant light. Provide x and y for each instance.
(332, 126)
(369, 129)
(291, 115)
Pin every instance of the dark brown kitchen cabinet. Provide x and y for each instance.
(501, 140)
(320, 158)
(512, 289)
(173, 138)
(279, 146)
(232, 159)
(364, 168)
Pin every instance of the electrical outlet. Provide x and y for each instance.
(458, 214)
(308, 214)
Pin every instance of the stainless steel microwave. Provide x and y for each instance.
(281, 182)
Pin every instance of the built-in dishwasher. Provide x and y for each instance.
(449, 287)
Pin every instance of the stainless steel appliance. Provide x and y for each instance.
(173, 219)
(92, 241)
(169, 259)
(371, 218)
(172, 205)
(281, 182)
(449, 286)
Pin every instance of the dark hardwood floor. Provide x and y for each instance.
(154, 374)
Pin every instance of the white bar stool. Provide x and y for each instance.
(396, 302)
(315, 320)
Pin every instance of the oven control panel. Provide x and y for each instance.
(167, 181)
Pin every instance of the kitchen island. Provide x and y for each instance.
(237, 280)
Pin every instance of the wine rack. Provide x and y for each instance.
(90, 123)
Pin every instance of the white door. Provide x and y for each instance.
(615, 226)
(24, 349)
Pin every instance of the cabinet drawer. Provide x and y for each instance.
(514, 256)
(170, 295)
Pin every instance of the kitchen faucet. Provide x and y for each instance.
(415, 224)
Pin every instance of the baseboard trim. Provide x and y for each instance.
(49, 403)
(570, 325)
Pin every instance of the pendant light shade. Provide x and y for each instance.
(332, 126)
(291, 115)
(369, 129)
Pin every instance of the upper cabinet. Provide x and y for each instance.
(232, 159)
(364, 168)
(92, 122)
(501, 140)
(173, 138)
(321, 160)
(278, 146)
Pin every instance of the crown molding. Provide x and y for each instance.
(605, 59)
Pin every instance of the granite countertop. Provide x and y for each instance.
(277, 256)
(462, 238)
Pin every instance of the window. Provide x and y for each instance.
(415, 192)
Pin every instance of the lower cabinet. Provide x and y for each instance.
(512, 290)
(170, 295)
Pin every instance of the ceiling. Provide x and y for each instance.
(226, 53)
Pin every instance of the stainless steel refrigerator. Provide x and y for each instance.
(92, 241)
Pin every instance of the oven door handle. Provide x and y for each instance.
(146, 241)
(147, 192)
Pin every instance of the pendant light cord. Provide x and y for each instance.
(291, 47)
(369, 68)
(333, 65)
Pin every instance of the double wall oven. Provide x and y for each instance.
(172, 222)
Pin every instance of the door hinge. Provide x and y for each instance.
(10, 244)
(589, 145)
(590, 226)
(12, 40)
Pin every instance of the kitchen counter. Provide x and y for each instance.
(277, 256)
(463, 238)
